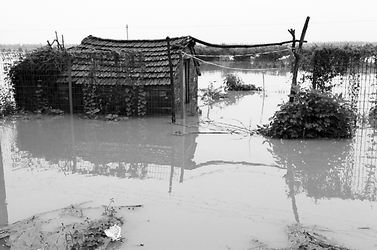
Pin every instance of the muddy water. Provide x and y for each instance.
(199, 191)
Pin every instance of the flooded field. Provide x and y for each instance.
(198, 190)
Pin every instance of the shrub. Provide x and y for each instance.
(326, 62)
(7, 105)
(34, 77)
(234, 83)
(313, 115)
(212, 94)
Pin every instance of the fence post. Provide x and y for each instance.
(171, 82)
(296, 53)
(70, 85)
(3, 205)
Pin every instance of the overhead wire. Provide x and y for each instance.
(249, 54)
(225, 67)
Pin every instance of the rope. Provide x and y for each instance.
(225, 67)
(242, 46)
(251, 54)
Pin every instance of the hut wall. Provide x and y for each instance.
(63, 97)
(158, 99)
(190, 106)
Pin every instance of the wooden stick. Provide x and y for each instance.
(70, 85)
(63, 41)
(57, 40)
(245, 163)
(297, 58)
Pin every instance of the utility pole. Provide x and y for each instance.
(127, 30)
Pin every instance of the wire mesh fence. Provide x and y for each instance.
(104, 82)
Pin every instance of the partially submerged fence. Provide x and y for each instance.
(348, 72)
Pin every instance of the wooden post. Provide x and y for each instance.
(171, 82)
(171, 178)
(183, 87)
(3, 204)
(70, 95)
(296, 54)
(63, 42)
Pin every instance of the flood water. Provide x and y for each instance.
(199, 190)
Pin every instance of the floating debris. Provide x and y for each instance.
(304, 238)
(74, 227)
(114, 232)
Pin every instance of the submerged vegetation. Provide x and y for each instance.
(7, 105)
(317, 112)
(74, 227)
(233, 83)
(373, 116)
(312, 115)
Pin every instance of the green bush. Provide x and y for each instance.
(234, 83)
(312, 115)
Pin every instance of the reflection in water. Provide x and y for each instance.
(136, 148)
(327, 168)
(3, 204)
(147, 149)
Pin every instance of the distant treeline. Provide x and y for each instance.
(24, 47)
(276, 52)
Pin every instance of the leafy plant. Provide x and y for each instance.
(7, 105)
(373, 116)
(34, 76)
(233, 83)
(313, 115)
(327, 61)
(211, 94)
(91, 234)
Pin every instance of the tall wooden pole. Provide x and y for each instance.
(296, 54)
(70, 92)
(127, 30)
(3, 201)
(171, 82)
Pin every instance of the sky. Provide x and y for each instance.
(230, 21)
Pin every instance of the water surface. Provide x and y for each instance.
(199, 190)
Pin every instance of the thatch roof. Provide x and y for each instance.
(124, 62)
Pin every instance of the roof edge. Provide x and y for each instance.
(136, 40)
